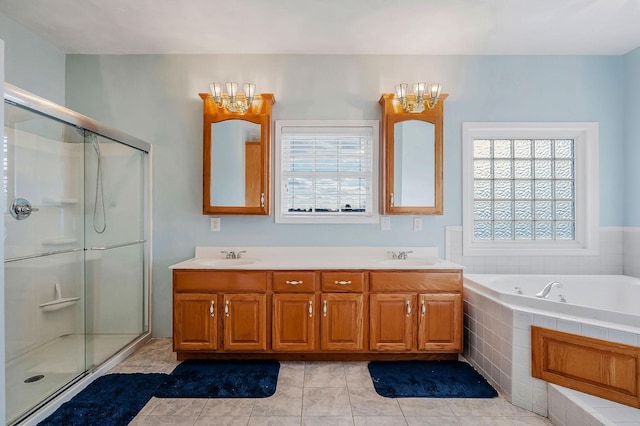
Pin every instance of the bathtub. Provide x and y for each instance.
(499, 311)
(598, 299)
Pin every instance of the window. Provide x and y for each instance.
(530, 188)
(327, 171)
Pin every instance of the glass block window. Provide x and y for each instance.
(530, 188)
(523, 189)
(327, 172)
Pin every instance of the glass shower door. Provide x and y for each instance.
(44, 257)
(115, 236)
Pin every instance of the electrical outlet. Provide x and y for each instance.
(417, 224)
(215, 224)
(385, 223)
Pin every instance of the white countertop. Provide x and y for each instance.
(315, 258)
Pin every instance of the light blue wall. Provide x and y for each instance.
(155, 97)
(632, 138)
(32, 63)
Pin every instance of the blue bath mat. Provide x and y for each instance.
(110, 400)
(429, 379)
(221, 379)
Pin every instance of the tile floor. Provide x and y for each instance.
(315, 393)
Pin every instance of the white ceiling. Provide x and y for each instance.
(333, 26)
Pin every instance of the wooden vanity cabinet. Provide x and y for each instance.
(219, 310)
(350, 314)
(294, 311)
(195, 322)
(416, 311)
(342, 322)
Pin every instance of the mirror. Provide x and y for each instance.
(412, 156)
(236, 158)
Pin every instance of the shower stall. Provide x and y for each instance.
(76, 244)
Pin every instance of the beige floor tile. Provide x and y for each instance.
(358, 375)
(327, 421)
(366, 402)
(326, 402)
(228, 407)
(433, 421)
(222, 421)
(315, 394)
(379, 420)
(186, 407)
(324, 375)
(274, 421)
(163, 421)
(285, 402)
(425, 407)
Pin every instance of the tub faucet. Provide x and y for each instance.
(544, 293)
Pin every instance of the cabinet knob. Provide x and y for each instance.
(212, 309)
(293, 282)
(424, 308)
(408, 308)
(226, 309)
(324, 308)
(310, 309)
(342, 282)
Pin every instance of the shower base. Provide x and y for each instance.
(60, 361)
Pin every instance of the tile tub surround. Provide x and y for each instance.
(316, 393)
(608, 262)
(632, 251)
(498, 344)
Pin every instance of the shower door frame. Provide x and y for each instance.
(21, 98)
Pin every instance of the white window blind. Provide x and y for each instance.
(327, 172)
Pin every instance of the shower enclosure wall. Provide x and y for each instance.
(76, 248)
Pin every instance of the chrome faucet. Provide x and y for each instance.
(544, 293)
(233, 254)
(403, 255)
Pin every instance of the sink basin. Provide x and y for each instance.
(224, 263)
(408, 262)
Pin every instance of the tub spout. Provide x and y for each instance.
(544, 293)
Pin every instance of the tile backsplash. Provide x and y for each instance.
(618, 246)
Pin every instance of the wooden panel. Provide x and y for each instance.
(415, 281)
(598, 367)
(294, 322)
(337, 282)
(194, 322)
(440, 322)
(341, 325)
(294, 281)
(252, 175)
(245, 322)
(209, 280)
(391, 322)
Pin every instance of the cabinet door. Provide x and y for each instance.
(245, 322)
(293, 322)
(341, 326)
(440, 322)
(195, 322)
(391, 322)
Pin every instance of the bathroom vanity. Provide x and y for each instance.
(317, 303)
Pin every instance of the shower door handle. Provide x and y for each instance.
(21, 209)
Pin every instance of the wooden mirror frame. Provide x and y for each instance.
(259, 113)
(392, 113)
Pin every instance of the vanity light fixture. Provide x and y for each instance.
(233, 101)
(416, 101)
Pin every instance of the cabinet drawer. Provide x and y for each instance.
(294, 282)
(338, 282)
(416, 281)
(207, 281)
